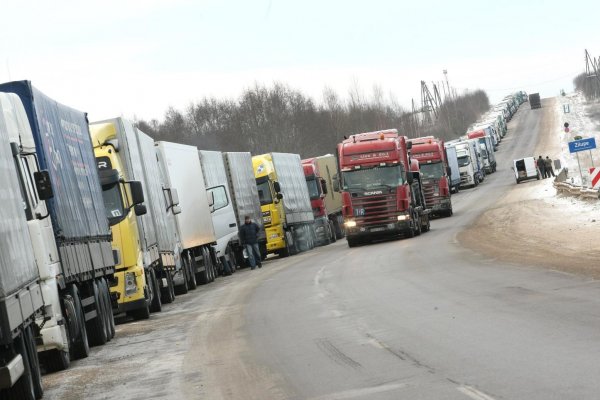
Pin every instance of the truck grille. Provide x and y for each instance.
(464, 178)
(375, 210)
(429, 192)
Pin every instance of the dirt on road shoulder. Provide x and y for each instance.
(531, 225)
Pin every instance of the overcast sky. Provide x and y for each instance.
(136, 58)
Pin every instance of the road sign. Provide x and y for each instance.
(595, 177)
(582, 144)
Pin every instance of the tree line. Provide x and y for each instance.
(282, 119)
(589, 86)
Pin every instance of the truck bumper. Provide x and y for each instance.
(120, 301)
(379, 231)
(275, 238)
(444, 204)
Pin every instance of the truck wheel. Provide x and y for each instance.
(167, 293)
(202, 277)
(108, 308)
(81, 346)
(156, 304)
(184, 287)
(284, 252)
(140, 313)
(55, 360)
(96, 327)
(214, 272)
(352, 242)
(34, 362)
(23, 389)
(418, 227)
(192, 283)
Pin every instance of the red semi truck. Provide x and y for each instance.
(377, 195)
(325, 202)
(431, 154)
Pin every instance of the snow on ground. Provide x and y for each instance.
(582, 119)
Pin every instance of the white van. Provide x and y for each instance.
(525, 169)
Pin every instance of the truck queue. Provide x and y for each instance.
(98, 219)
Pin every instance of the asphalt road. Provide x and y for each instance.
(420, 318)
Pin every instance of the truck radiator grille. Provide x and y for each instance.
(375, 210)
(430, 198)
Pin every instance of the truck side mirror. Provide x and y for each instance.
(176, 210)
(137, 192)
(211, 199)
(140, 209)
(408, 145)
(336, 183)
(448, 171)
(279, 196)
(409, 178)
(277, 187)
(43, 185)
(324, 186)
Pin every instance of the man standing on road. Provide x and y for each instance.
(541, 164)
(549, 169)
(249, 238)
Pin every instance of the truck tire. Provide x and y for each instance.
(81, 346)
(332, 236)
(23, 389)
(108, 308)
(204, 276)
(418, 227)
(352, 242)
(168, 293)
(184, 287)
(55, 360)
(34, 362)
(192, 283)
(213, 265)
(96, 327)
(140, 313)
(156, 304)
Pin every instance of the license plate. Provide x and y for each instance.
(378, 229)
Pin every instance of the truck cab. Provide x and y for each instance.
(376, 186)
(467, 163)
(487, 149)
(317, 190)
(433, 168)
(130, 289)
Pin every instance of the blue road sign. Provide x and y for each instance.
(582, 144)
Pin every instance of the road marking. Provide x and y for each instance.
(319, 275)
(352, 394)
(473, 393)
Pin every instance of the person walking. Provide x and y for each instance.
(541, 164)
(549, 169)
(249, 239)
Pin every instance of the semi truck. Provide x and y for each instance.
(244, 196)
(285, 203)
(420, 202)
(487, 150)
(433, 168)
(180, 168)
(124, 154)
(223, 213)
(469, 162)
(535, 101)
(21, 300)
(70, 233)
(325, 201)
(376, 187)
(454, 175)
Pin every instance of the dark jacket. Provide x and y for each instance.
(541, 164)
(249, 233)
(548, 164)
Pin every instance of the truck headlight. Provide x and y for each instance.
(403, 217)
(130, 284)
(350, 223)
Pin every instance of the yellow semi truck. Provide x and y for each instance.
(143, 279)
(285, 203)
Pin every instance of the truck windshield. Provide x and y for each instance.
(432, 171)
(373, 177)
(264, 192)
(113, 203)
(313, 188)
(463, 161)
